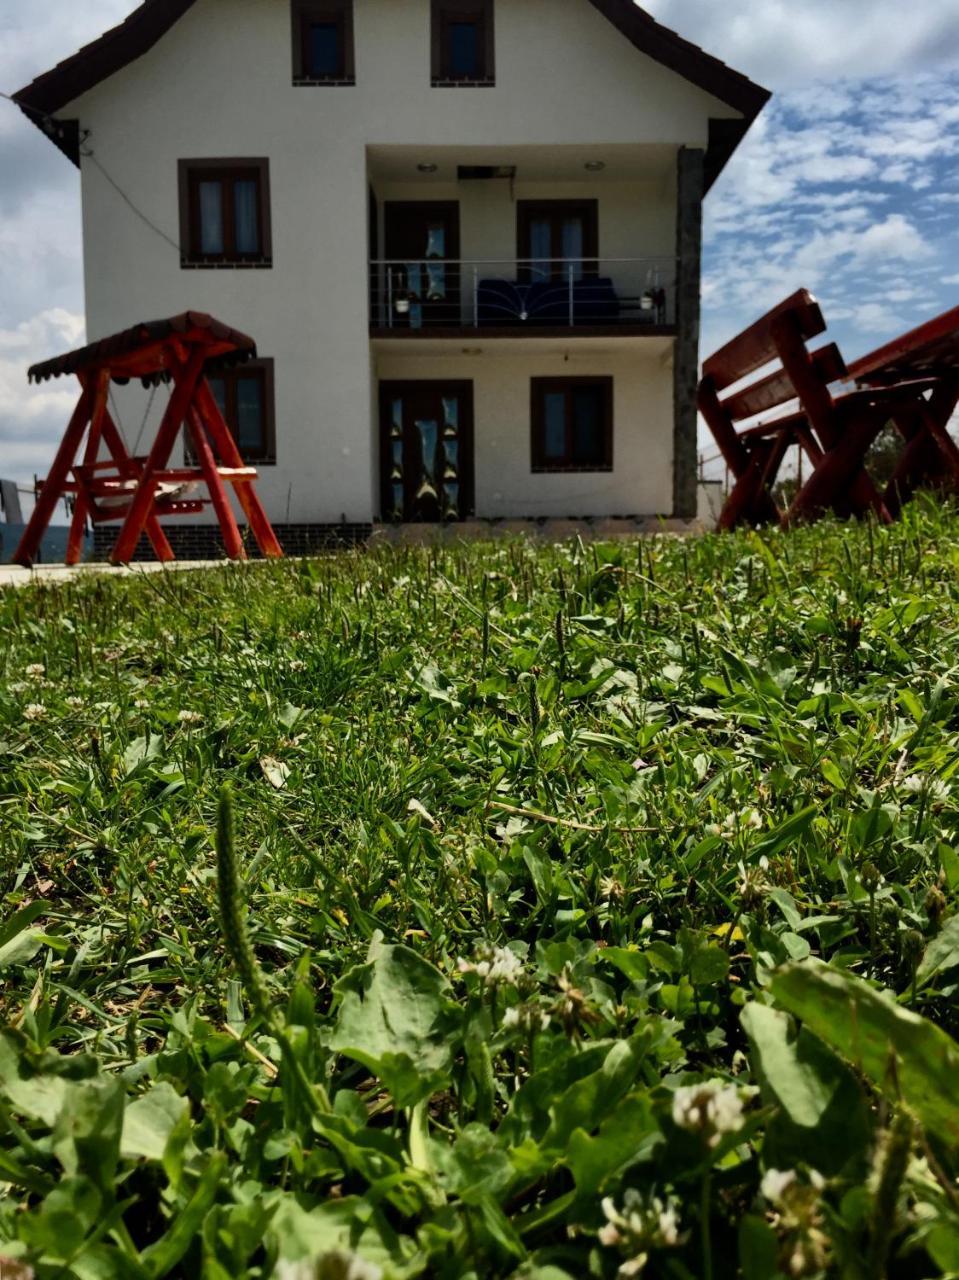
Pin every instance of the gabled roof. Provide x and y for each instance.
(138, 33)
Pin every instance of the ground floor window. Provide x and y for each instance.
(572, 424)
(245, 398)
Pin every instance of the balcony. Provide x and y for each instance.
(511, 298)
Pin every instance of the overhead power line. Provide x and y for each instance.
(89, 154)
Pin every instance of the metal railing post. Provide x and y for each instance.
(475, 297)
(572, 309)
(389, 297)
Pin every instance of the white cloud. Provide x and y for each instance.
(786, 45)
(33, 418)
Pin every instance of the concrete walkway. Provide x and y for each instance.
(12, 575)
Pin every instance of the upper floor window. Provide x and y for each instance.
(323, 42)
(463, 42)
(245, 398)
(225, 213)
(572, 420)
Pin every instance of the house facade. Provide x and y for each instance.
(465, 235)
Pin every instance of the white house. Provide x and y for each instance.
(465, 235)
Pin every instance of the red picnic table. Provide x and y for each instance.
(139, 490)
(930, 351)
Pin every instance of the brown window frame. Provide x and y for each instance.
(445, 12)
(305, 12)
(263, 366)
(191, 173)
(527, 210)
(539, 389)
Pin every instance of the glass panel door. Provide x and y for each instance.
(426, 451)
(422, 243)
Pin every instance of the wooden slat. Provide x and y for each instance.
(907, 350)
(776, 389)
(755, 347)
(56, 482)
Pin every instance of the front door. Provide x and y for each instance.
(422, 248)
(426, 451)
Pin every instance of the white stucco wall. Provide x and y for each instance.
(640, 482)
(219, 84)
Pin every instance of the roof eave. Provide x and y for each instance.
(139, 32)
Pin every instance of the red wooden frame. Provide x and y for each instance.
(140, 490)
(834, 430)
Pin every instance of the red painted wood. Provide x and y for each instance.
(53, 487)
(180, 347)
(731, 446)
(170, 426)
(247, 496)
(836, 479)
(912, 349)
(114, 442)
(756, 346)
(232, 540)
(777, 388)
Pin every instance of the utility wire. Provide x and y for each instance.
(89, 154)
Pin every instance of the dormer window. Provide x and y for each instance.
(463, 43)
(323, 42)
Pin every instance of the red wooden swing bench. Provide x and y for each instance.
(833, 428)
(141, 490)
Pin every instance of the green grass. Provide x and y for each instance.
(572, 878)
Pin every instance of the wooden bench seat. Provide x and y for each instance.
(833, 428)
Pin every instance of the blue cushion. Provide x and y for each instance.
(499, 302)
(595, 301)
(546, 302)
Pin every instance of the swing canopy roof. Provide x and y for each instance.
(148, 350)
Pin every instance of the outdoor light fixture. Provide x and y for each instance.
(594, 166)
(427, 168)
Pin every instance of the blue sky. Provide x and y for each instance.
(848, 184)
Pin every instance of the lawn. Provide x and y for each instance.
(495, 911)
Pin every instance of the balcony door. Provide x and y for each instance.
(422, 244)
(556, 235)
(426, 451)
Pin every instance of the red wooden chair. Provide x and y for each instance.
(139, 491)
(833, 429)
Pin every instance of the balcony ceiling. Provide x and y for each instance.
(533, 164)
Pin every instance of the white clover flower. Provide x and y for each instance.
(74, 703)
(34, 711)
(526, 1017)
(775, 1183)
(336, 1265)
(916, 783)
(643, 1224)
(189, 717)
(494, 965)
(35, 670)
(611, 888)
(712, 1109)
